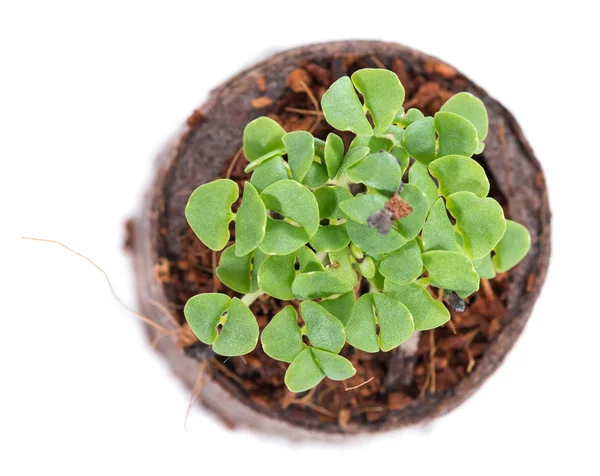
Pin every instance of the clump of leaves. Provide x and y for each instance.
(404, 207)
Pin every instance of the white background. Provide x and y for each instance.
(91, 90)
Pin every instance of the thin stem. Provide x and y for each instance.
(249, 298)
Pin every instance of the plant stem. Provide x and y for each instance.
(249, 298)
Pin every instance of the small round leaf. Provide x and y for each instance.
(419, 175)
(411, 225)
(208, 212)
(239, 334)
(451, 270)
(300, 148)
(471, 108)
(323, 329)
(361, 330)
(395, 322)
(457, 136)
(404, 265)
(333, 365)
(261, 136)
(380, 171)
(282, 339)
(343, 109)
(438, 232)
(235, 271)
(427, 312)
(303, 373)
(457, 173)
(269, 172)
(480, 221)
(383, 95)
(361, 207)
(334, 154)
(341, 307)
(276, 275)
(250, 221)
(513, 246)
(371, 241)
(419, 140)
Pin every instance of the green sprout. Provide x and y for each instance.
(316, 218)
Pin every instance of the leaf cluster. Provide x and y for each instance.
(404, 207)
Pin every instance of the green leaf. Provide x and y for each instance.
(239, 333)
(282, 238)
(457, 136)
(300, 147)
(261, 136)
(361, 207)
(451, 270)
(485, 267)
(366, 267)
(402, 266)
(323, 329)
(308, 260)
(513, 246)
(343, 110)
(395, 134)
(412, 115)
(341, 266)
(208, 212)
(361, 330)
(303, 373)
(250, 221)
(316, 176)
(480, 221)
(334, 154)
(341, 307)
(371, 241)
(410, 226)
(456, 173)
(438, 232)
(330, 238)
(203, 313)
(262, 159)
(374, 143)
(276, 275)
(419, 140)
(257, 260)
(402, 156)
(377, 281)
(427, 312)
(380, 171)
(419, 175)
(329, 200)
(235, 271)
(282, 338)
(471, 108)
(334, 366)
(269, 172)
(383, 95)
(297, 204)
(319, 284)
(395, 322)
(480, 148)
(353, 156)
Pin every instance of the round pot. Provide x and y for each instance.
(427, 377)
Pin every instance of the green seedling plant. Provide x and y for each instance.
(403, 208)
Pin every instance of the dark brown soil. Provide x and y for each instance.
(395, 388)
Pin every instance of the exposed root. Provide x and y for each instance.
(306, 112)
(315, 104)
(112, 290)
(432, 351)
(195, 395)
(346, 389)
(233, 162)
(376, 60)
(487, 290)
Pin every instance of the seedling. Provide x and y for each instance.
(318, 219)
